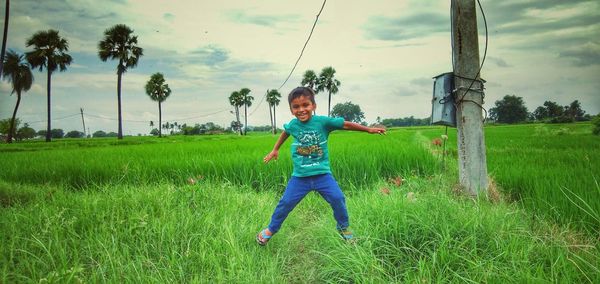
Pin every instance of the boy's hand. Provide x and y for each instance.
(374, 130)
(273, 155)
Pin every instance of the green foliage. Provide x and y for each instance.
(99, 134)
(273, 99)
(199, 129)
(246, 101)
(158, 91)
(349, 111)
(103, 210)
(406, 121)
(25, 132)
(553, 109)
(5, 125)
(310, 79)
(156, 88)
(57, 133)
(554, 113)
(160, 233)
(328, 82)
(49, 51)
(17, 72)
(120, 44)
(219, 158)
(596, 124)
(74, 134)
(551, 169)
(236, 99)
(511, 109)
(574, 111)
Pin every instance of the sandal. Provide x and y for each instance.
(263, 237)
(346, 234)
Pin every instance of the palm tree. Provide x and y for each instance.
(310, 79)
(120, 43)
(273, 100)
(4, 37)
(17, 72)
(247, 102)
(49, 51)
(328, 82)
(236, 100)
(158, 92)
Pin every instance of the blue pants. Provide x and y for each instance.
(299, 187)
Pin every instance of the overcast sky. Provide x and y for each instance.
(384, 52)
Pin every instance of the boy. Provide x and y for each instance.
(311, 162)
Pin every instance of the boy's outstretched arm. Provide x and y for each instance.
(355, 126)
(274, 154)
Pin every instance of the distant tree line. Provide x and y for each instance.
(406, 121)
(511, 109)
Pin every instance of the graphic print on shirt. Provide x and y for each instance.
(310, 148)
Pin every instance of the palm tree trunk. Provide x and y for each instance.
(12, 122)
(49, 128)
(120, 133)
(159, 119)
(4, 37)
(271, 117)
(245, 119)
(274, 121)
(329, 105)
(237, 115)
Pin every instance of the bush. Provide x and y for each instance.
(596, 123)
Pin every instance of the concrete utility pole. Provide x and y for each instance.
(472, 165)
(82, 120)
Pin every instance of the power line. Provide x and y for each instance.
(129, 120)
(126, 120)
(53, 119)
(306, 43)
(298, 60)
(202, 115)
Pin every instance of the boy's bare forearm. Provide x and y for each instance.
(357, 127)
(274, 154)
(281, 140)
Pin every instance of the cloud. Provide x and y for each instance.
(497, 61)
(405, 27)
(539, 16)
(584, 55)
(210, 55)
(240, 16)
(403, 91)
(169, 17)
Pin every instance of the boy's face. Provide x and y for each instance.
(302, 108)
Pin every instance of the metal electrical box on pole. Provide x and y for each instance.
(442, 104)
(472, 165)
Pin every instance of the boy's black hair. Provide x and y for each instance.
(301, 91)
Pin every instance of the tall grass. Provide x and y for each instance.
(552, 169)
(88, 163)
(124, 211)
(204, 233)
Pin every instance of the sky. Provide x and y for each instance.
(385, 54)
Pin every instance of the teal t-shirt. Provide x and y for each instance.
(310, 155)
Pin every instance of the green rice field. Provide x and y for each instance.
(187, 209)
